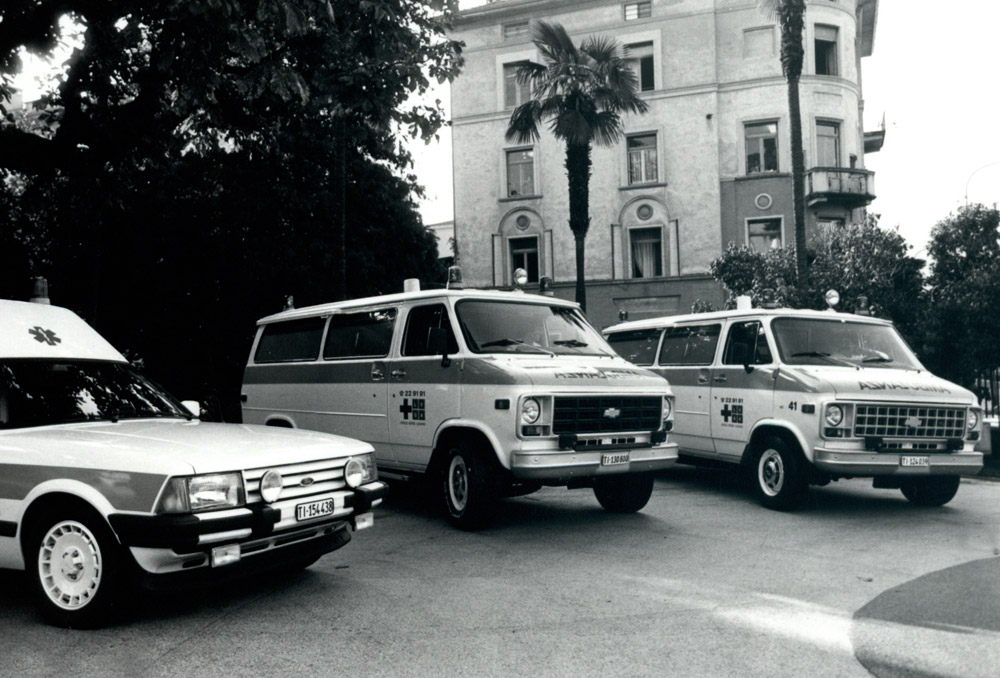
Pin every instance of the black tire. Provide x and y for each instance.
(778, 475)
(934, 491)
(470, 485)
(625, 493)
(76, 567)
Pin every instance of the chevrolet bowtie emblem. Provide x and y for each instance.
(306, 482)
(612, 413)
(913, 422)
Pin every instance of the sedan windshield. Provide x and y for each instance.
(512, 327)
(41, 392)
(816, 341)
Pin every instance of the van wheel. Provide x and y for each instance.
(625, 493)
(780, 481)
(471, 487)
(77, 569)
(934, 491)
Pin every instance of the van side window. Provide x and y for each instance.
(360, 335)
(419, 323)
(742, 337)
(689, 345)
(638, 346)
(294, 340)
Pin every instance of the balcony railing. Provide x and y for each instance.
(849, 188)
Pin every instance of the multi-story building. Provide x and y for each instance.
(708, 164)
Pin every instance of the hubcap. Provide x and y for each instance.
(458, 483)
(771, 473)
(70, 565)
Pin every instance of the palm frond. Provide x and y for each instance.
(523, 125)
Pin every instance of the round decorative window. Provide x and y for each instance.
(522, 222)
(763, 201)
(644, 212)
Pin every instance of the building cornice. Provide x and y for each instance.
(501, 10)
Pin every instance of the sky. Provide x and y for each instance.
(935, 75)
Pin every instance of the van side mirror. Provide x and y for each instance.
(437, 342)
(192, 406)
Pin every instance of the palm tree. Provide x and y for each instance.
(791, 18)
(582, 93)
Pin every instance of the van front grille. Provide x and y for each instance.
(601, 414)
(898, 421)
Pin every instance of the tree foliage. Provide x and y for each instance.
(862, 260)
(964, 285)
(185, 175)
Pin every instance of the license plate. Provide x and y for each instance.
(914, 461)
(614, 459)
(314, 509)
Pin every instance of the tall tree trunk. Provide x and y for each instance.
(578, 172)
(338, 176)
(798, 181)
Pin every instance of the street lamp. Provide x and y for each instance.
(974, 174)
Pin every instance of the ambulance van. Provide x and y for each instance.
(106, 480)
(805, 397)
(486, 393)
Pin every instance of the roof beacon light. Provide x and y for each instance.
(41, 293)
(832, 298)
(455, 278)
(520, 277)
(411, 285)
(744, 302)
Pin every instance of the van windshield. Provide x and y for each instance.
(512, 327)
(817, 341)
(43, 392)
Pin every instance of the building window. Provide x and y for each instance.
(762, 147)
(640, 59)
(646, 245)
(514, 93)
(764, 234)
(520, 172)
(641, 158)
(758, 42)
(826, 50)
(637, 10)
(524, 254)
(515, 30)
(827, 144)
(829, 222)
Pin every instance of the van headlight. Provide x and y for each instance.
(668, 408)
(207, 492)
(973, 419)
(530, 410)
(834, 415)
(360, 470)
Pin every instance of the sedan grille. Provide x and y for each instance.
(299, 480)
(596, 414)
(909, 422)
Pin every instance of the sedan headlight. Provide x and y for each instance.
(202, 493)
(834, 415)
(360, 470)
(530, 410)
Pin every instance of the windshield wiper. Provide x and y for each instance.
(825, 356)
(878, 358)
(574, 343)
(516, 342)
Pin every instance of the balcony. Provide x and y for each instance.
(848, 188)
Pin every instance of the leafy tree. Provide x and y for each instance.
(791, 18)
(582, 93)
(862, 260)
(964, 287)
(188, 164)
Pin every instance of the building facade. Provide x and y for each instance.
(708, 164)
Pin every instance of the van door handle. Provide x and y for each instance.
(702, 379)
(377, 374)
(721, 378)
(398, 373)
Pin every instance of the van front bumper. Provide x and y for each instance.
(584, 461)
(868, 463)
